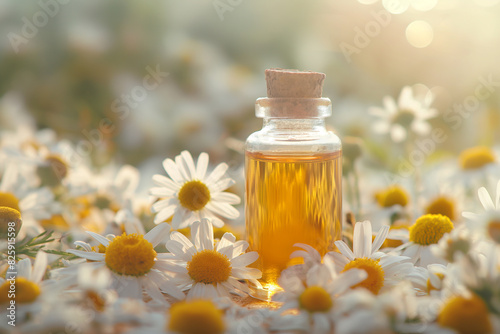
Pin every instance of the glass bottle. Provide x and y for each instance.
(293, 174)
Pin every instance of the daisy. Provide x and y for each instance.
(133, 263)
(314, 297)
(488, 222)
(33, 203)
(383, 270)
(428, 280)
(31, 292)
(190, 195)
(408, 114)
(425, 232)
(210, 271)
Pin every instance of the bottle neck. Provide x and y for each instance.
(298, 126)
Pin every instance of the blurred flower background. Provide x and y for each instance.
(73, 64)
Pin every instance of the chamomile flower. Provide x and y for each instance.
(408, 114)
(190, 194)
(30, 292)
(383, 270)
(134, 264)
(33, 203)
(428, 281)
(486, 223)
(314, 297)
(207, 270)
(425, 232)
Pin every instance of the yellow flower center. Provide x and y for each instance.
(476, 157)
(209, 267)
(375, 280)
(315, 299)
(194, 195)
(443, 206)
(196, 317)
(465, 315)
(392, 196)
(7, 217)
(493, 229)
(9, 200)
(55, 222)
(130, 255)
(431, 287)
(429, 229)
(23, 291)
(53, 171)
(96, 300)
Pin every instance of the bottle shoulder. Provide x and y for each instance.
(323, 141)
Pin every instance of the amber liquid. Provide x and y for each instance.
(291, 199)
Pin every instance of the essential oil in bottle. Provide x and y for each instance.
(293, 173)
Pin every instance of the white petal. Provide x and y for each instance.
(181, 218)
(345, 250)
(226, 197)
(129, 287)
(485, 199)
(201, 167)
(362, 239)
(246, 273)
(225, 244)
(172, 170)
(176, 248)
(217, 173)
(39, 267)
(380, 238)
(220, 185)
(189, 163)
(158, 234)
(244, 260)
(166, 213)
(87, 255)
(127, 179)
(152, 290)
(23, 268)
(186, 243)
(163, 181)
(169, 266)
(102, 240)
(398, 133)
(162, 192)
(204, 236)
(223, 209)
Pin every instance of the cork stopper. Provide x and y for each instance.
(293, 94)
(282, 83)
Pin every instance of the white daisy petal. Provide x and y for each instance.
(161, 192)
(152, 290)
(204, 236)
(163, 181)
(485, 199)
(39, 267)
(246, 273)
(87, 255)
(129, 287)
(220, 185)
(380, 238)
(225, 244)
(223, 209)
(102, 240)
(226, 197)
(201, 167)
(172, 170)
(217, 173)
(245, 259)
(344, 249)
(176, 248)
(168, 266)
(23, 268)
(188, 160)
(158, 234)
(186, 243)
